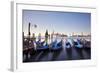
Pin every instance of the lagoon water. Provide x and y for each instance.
(62, 55)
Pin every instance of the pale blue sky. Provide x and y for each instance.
(62, 22)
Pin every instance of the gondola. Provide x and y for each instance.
(77, 44)
(41, 46)
(67, 45)
(56, 46)
(86, 44)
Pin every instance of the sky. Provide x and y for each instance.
(61, 22)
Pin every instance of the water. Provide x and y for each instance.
(64, 54)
